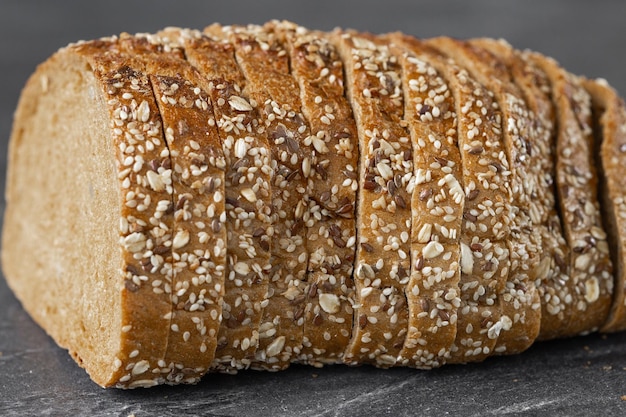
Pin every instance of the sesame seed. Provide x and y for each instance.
(432, 250)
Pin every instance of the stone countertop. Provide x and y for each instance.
(574, 377)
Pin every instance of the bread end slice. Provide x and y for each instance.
(90, 202)
(70, 280)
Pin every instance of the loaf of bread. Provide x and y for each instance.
(255, 196)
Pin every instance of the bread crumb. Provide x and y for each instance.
(623, 397)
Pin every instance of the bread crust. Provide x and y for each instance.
(437, 201)
(248, 198)
(485, 230)
(199, 238)
(333, 186)
(265, 65)
(521, 313)
(382, 265)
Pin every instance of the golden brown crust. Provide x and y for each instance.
(485, 230)
(199, 243)
(382, 265)
(610, 129)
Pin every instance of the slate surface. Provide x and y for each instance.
(576, 377)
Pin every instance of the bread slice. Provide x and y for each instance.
(485, 229)
(609, 114)
(437, 201)
(590, 277)
(553, 268)
(248, 197)
(521, 308)
(333, 186)
(382, 265)
(265, 65)
(98, 282)
(199, 233)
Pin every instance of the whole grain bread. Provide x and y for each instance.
(485, 224)
(122, 202)
(264, 62)
(256, 196)
(199, 233)
(248, 197)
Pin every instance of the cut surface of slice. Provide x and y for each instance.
(98, 115)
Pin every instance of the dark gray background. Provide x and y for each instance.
(581, 376)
